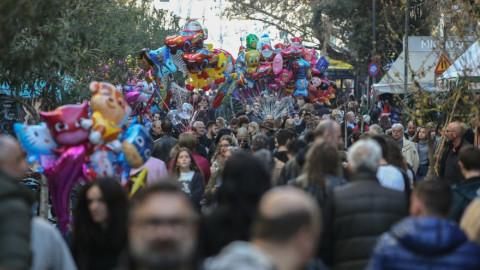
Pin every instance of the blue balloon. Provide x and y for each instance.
(322, 64)
(163, 62)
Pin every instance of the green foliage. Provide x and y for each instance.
(66, 44)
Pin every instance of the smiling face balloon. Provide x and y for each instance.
(35, 139)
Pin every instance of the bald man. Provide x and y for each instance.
(242, 138)
(284, 235)
(449, 170)
(14, 207)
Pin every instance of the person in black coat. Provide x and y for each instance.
(357, 213)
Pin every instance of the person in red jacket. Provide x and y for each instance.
(189, 141)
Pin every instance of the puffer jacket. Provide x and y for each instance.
(15, 225)
(355, 216)
(425, 243)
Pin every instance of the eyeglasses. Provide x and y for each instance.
(242, 140)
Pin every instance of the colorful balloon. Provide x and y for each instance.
(137, 145)
(37, 142)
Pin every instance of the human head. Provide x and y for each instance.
(329, 130)
(364, 156)
(469, 160)
(253, 128)
(256, 107)
(102, 202)
(167, 126)
(350, 116)
(284, 136)
(322, 159)
(375, 130)
(411, 128)
(288, 218)
(397, 131)
(211, 128)
(234, 125)
(163, 226)
(384, 123)
(225, 142)
(203, 102)
(12, 158)
(248, 108)
(243, 121)
(267, 126)
(269, 117)
(307, 117)
(290, 123)
(220, 122)
(454, 132)
(184, 158)
(199, 128)
(157, 127)
(259, 141)
(294, 146)
(421, 134)
(187, 140)
(431, 198)
(242, 137)
(156, 116)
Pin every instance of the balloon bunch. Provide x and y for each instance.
(77, 143)
(285, 69)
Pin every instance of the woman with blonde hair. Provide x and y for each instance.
(470, 222)
(253, 129)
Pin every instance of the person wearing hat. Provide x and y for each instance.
(268, 129)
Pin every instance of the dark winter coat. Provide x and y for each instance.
(15, 216)
(463, 193)
(355, 215)
(425, 243)
(162, 148)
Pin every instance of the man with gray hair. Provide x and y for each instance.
(375, 130)
(357, 213)
(409, 151)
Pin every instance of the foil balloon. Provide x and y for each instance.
(301, 88)
(252, 41)
(264, 40)
(109, 111)
(187, 111)
(69, 169)
(160, 60)
(37, 142)
(137, 145)
(253, 60)
(174, 117)
(68, 124)
(102, 163)
(277, 64)
(322, 64)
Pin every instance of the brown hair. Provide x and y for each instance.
(193, 165)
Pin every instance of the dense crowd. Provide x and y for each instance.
(340, 187)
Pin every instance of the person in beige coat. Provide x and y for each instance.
(409, 151)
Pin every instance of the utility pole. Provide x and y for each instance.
(405, 45)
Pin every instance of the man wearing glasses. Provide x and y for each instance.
(162, 228)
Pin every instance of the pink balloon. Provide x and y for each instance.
(277, 63)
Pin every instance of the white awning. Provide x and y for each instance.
(424, 54)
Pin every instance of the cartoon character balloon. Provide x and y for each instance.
(253, 60)
(109, 111)
(69, 124)
(37, 142)
(252, 41)
(137, 145)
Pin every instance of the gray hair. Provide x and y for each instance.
(195, 125)
(375, 130)
(398, 126)
(364, 155)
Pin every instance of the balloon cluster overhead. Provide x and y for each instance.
(287, 69)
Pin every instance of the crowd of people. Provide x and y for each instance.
(320, 188)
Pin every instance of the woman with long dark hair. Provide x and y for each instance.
(244, 180)
(99, 230)
(186, 171)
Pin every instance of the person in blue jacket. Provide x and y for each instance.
(426, 239)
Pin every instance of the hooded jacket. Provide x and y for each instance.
(425, 243)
